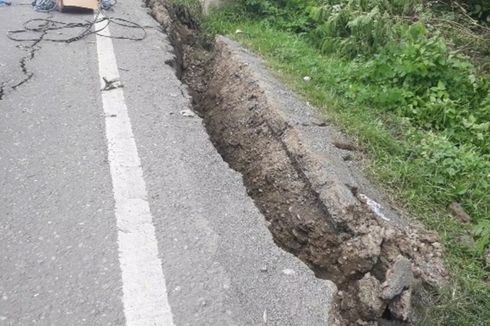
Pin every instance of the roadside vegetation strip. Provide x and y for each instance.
(421, 109)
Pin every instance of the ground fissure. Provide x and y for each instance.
(31, 50)
(378, 267)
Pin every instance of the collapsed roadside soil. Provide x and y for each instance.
(380, 269)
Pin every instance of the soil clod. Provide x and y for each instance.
(458, 212)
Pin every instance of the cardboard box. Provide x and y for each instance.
(83, 4)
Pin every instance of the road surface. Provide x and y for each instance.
(115, 208)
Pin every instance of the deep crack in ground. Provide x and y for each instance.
(381, 270)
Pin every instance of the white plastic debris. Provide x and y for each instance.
(374, 206)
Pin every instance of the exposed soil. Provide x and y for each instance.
(380, 268)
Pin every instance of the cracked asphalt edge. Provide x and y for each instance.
(23, 65)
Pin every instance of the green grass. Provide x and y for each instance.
(421, 168)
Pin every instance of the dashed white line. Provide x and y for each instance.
(144, 291)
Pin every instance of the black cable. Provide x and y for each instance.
(44, 25)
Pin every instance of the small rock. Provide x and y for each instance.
(319, 123)
(398, 278)
(401, 306)
(371, 304)
(347, 157)
(458, 212)
(429, 237)
(288, 271)
(203, 302)
(466, 241)
(307, 78)
(263, 269)
(345, 146)
(188, 113)
(437, 245)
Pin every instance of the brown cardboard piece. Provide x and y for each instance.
(84, 4)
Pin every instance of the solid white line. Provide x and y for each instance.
(144, 292)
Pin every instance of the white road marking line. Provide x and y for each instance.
(144, 291)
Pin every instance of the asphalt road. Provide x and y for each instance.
(63, 250)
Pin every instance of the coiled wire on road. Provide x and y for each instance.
(42, 26)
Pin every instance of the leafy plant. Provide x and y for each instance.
(479, 9)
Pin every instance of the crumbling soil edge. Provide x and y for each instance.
(377, 266)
